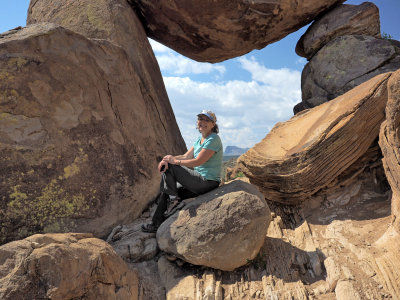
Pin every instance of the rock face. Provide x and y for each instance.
(344, 50)
(303, 155)
(115, 21)
(343, 20)
(222, 229)
(389, 143)
(214, 31)
(64, 266)
(79, 140)
(345, 63)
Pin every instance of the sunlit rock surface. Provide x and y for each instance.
(303, 155)
(390, 144)
(64, 266)
(222, 229)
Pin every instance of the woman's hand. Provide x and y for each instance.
(162, 166)
(170, 159)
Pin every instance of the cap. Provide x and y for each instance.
(209, 115)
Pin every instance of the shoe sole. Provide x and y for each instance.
(175, 209)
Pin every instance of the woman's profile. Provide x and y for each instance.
(179, 180)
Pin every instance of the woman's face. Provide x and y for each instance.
(204, 124)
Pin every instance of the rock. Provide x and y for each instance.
(116, 22)
(345, 290)
(78, 138)
(214, 31)
(132, 244)
(64, 266)
(301, 156)
(150, 283)
(390, 145)
(344, 63)
(222, 229)
(344, 19)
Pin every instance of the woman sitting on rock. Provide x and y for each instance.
(205, 156)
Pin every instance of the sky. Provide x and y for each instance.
(249, 94)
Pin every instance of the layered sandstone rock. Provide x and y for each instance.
(344, 63)
(390, 144)
(222, 229)
(214, 31)
(64, 266)
(303, 155)
(79, 136)
(343, 20)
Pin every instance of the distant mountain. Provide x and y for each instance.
(234, 151)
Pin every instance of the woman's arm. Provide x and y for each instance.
(204, 155)
(187, 155)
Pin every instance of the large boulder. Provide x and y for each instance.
(79, 137)
(115, 21)
(222, 229)
(345, 19)
(389, 141)
(64, 266)
(301, 156)
(214, 31)
(344, 63)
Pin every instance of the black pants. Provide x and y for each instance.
(182, 182)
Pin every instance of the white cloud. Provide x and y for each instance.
(246, 111)
(176, 64)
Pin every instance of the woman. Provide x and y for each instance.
(205, 156)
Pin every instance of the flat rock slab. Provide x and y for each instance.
(64, 266)
(213, 31)
(79, 138)
(300, 156)
(389, 141)
(222, 229)
(343, 20)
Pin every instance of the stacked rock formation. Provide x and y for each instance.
(303, 155)
(83, 121)
(344, 49)
(64, 266)
(214, 31)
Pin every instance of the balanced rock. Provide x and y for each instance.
(214, 31)
(79, 138)
(389, 141)
(343, 20)
(222, 229)
(64, 266)
(299, 157)
(344, 63)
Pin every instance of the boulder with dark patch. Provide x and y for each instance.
(79, 141)
(343, 20)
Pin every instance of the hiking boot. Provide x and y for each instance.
(174, 206)
(149, 228)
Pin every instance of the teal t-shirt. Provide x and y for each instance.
(211, 169)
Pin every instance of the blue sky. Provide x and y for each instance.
(249, 94)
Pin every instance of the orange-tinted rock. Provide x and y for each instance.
(79, 135)
(389, 141)
(64, 266)
(303, 155)
(345, 19)
(214, 31)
